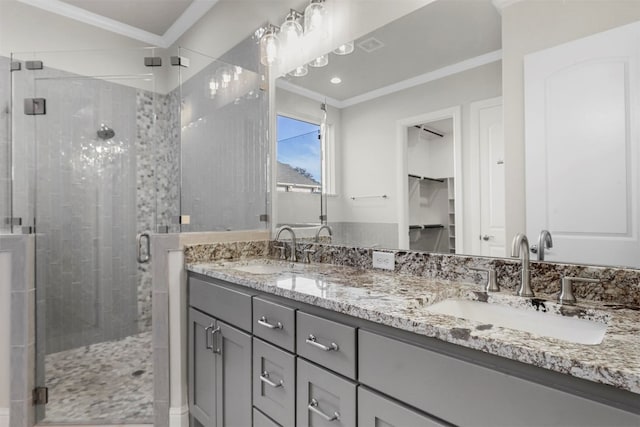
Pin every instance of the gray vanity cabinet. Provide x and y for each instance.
(202, 369)
(219, 356)
(375, 410)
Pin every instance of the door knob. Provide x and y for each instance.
(486, 237)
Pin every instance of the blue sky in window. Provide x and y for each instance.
(298, 145)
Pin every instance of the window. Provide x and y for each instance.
(299, 156)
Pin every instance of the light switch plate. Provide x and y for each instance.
(384, 260)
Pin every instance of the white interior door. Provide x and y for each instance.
(487, 131)
(581, 142)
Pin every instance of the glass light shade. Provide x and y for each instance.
(225, 77)
(269, 46)
(291, 32)
(213, 87)
(345, 49)
(300, 71)
(320, 61)
(315, 16)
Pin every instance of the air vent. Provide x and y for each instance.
(370, 45)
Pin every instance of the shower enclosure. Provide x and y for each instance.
(85, 169)
(98, 147)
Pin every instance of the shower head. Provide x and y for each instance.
(105, 132)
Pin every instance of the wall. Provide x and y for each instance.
(5, 342)
(529, 26)
(370, 128)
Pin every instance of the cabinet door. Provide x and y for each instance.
(234, 377)
(202, 368)
(377, 411)
(323, 398)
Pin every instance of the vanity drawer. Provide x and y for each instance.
(274, 382)
(261, 420)
(328, 343)
(375, 410)
(465, 394)
(229, 305)
(274, 323)
(324, 398)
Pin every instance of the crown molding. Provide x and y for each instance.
(308, 93)
(196, 10)
(501, 4)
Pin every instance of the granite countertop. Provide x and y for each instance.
(400, 301)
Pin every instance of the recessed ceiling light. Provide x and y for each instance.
(336, 80)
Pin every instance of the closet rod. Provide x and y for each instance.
(430, 131)
(424, 177)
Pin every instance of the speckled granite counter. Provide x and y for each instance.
(400, 301)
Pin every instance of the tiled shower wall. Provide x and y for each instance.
(91, 289)
(158, 178)
(225, 144)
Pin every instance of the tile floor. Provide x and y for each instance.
(109, 382)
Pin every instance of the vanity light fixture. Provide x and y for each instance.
(336, 80)
(213, 87)
(237, 71)
(345, 49)
(269, 46)
(315, 16)
(320, 61)
(300, 71)
(291, 31)
(225, 77)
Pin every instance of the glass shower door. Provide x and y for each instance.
(86, 173)
(95, 191)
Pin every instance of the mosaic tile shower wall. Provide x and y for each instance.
(158, 178)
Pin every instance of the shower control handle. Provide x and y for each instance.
(143, 258)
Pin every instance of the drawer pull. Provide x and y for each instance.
(313, 407)
(265, 379)
(263, 321)
(206, 337)
(213, 335)
(312, 340)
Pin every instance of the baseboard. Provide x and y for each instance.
(178, 416)
(4, 417)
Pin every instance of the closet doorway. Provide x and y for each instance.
(429, 182)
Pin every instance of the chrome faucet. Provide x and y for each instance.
(323, 227)
(520, 248)
(544, 242)
(293, 240)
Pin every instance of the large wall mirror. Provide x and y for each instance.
(415, 145)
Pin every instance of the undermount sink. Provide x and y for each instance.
(270, 268)
(579, 331)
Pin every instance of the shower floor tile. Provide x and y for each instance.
(105, 382)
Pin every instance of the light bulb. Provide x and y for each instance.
(345, 49)
(314, 16)
(320, 61)
(300, 71)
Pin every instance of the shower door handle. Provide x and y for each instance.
(143, 258)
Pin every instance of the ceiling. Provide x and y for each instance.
(156, 22)
(437, 36)
(154, 16)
